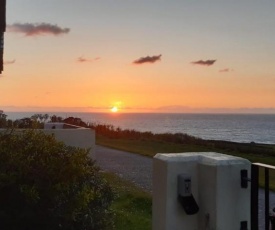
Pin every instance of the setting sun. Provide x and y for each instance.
(114, 109)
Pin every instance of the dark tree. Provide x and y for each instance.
(3, 120)
(49, 186)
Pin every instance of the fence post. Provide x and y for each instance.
(267, 218)
(272, 219)
(254, 197)
(211, 191)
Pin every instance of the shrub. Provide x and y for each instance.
(46, 185)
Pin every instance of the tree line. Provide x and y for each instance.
(37, 121)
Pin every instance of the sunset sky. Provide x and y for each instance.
(139, 55)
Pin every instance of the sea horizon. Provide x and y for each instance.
(241, 127)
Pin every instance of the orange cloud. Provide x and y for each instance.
(9, 62)
(34, 29)
(225, 70)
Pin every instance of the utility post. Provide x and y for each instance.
(2, 30)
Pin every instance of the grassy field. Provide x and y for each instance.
(132, 206)
(150, 148)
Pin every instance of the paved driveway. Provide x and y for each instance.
(132, 167)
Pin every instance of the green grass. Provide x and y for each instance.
(151, 148)
(132, 205)
(147, 147)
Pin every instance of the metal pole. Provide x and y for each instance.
(267, 220)
(272, 221)
(2, 30)
(1, 51)
(254, 197)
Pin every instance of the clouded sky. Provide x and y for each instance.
(139, 55)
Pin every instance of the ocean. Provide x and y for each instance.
(259, 128)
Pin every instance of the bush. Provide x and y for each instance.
(46, 185)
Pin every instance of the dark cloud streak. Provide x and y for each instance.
(82, 59)
(205, 63)
(148, 59)
(34, 29)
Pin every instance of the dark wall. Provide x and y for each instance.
(2, 30)
(2, 15)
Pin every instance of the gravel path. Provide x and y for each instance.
(132, 167)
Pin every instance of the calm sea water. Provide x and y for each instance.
(231, 127)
